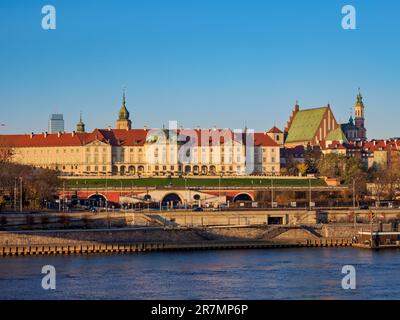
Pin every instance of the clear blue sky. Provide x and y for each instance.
(200, 62)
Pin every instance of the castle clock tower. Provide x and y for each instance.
(80, 126)
(123, 121)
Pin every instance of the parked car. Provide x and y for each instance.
(197, 209)
(364, 207)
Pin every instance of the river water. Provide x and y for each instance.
(301, 273)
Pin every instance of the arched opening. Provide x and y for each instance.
(213, 170)
(196, 170)
(171, 198)
(187, 169)
(97, 200)
(131, 170)
(140, 169)
(242, 197)
(114, 170)
(122, 170)
(204, 170)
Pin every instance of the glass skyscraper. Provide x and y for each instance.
(56, 123)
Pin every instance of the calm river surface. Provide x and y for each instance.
(307, 273)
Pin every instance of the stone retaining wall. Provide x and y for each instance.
(174, 235)
(71, 237)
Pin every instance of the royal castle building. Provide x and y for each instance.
(148, 152)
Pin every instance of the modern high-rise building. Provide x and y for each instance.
(56, 123)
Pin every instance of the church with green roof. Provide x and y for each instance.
(311, 126)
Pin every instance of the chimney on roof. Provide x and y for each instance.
(45, 134)
(73, 133)
(32, 134)
(144, 128)
(59, 134)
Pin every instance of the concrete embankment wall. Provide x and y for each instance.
(135, 235)
(242, 217)
(70, 237)
(87, 220)
(348, 230)
(346, 216)
(153, 239)
(15, 221)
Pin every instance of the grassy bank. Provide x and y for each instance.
(180, 182)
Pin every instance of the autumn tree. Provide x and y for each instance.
(349, 170)
(386, 178)
(330, 165)
(37, 184)
(291, 166)
(302, 168)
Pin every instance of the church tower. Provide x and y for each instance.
(80, 126)
(123, 121)
(359, 118)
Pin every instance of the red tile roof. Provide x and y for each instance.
(274, 129)
(42, 140)
(264, 140)
(134, 137)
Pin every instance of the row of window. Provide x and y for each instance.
(104, 149)
(49, 150)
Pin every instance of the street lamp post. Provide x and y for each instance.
(120, 193)
(15, 194)
(309, 186)
(64, 196)
(354, 205)
(106, 193)
(20, 194)
(272, 193)
(186, 193)
(219, 191)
